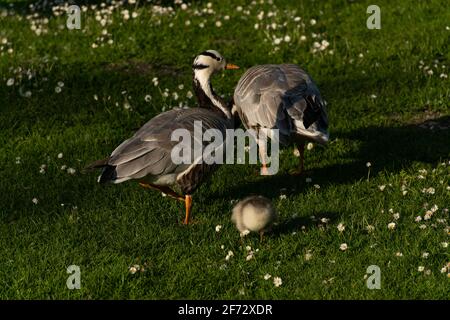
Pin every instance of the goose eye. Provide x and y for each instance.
(218, 59)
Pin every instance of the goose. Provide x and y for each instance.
(254, 213)
(146, 156)
(283, 97)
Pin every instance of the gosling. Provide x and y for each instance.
(254, 213)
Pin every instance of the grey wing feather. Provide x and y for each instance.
(148, 152)
(283, 97)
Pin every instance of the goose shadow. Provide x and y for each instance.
(389, 149)
(298, 224)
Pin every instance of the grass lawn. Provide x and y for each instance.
(69, 97)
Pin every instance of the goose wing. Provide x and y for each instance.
(148, 152)
(283, 97)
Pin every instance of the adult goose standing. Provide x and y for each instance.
(283, 97)
(146, 156)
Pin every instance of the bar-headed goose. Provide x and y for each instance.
(254, 213)
(282, 97)
(146, 156)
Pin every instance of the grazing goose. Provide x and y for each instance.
(282, 97)
(146, 156)
(254, 213)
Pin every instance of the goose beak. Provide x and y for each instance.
(231, 66)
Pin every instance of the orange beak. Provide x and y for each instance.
(231, 66)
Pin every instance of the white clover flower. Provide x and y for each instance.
(35, 200)
(418, 219)
(249, 256)
(267, 276)
(260, 15)
(308, 256)
(341, 227)
(391, 226)
(360, 55)
(382, 187)
(399, 254)
(396, 216)
(421, 268)
(282, 197)
(10, 82)
(244, 233)
(343, 247)
(303, 38)
(287, 38)
(325, 220)
(60, 155)
(434, 208)
(317, 186)
(218, 227)
(425, 255)
(148, 98)
(60, 84)
(373, 96)
(444, 244)
(428, 215)
(277, 41)
(368, 164)
(423, 226)
(312, 22)
(218, 24)
(229, 255)
(133, 269)
(71, 171)
(309, 146)
(370, 228)
(277, 281)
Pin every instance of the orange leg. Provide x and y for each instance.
(262, 154)
(188, 204)
(187, 199)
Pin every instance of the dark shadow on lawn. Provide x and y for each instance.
(290, 225)
(389, 149)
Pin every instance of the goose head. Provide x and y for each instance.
(205, 65)
(209, 62)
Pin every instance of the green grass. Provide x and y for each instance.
(107, 229)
